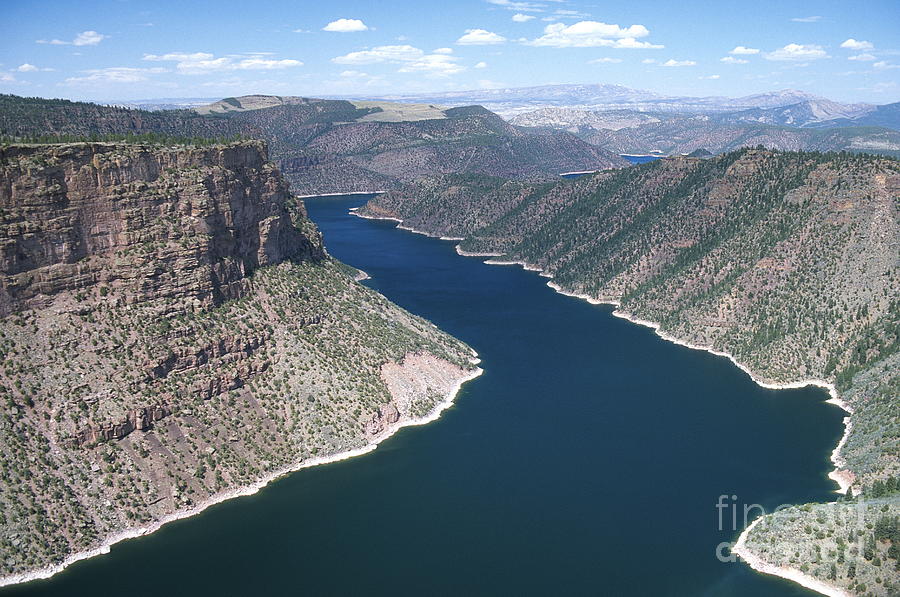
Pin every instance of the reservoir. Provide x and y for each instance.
(587, 460)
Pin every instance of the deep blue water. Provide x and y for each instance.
(641, 159)
(634, 159)
(587, 460)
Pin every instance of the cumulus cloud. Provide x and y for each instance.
(742, 50)
(852, 44)
(412, 60)
(381, 54)
(885, 65)
(813, 19)
(862, 57)
(588, 34)
(26, 68)
(733, 60)
(709, 77)
(115, 74)
(434, 65)
(672, 62)
(518, 5)
(605, 61)
(200, 63)
(480, 37)
(797, 52)
(520, 18)
(442, 51)
(346, 26)
(481, 64)
(85, 38)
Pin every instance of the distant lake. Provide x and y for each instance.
(634, 159)
(641, 159)
(587, 460)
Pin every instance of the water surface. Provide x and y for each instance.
(587, 460)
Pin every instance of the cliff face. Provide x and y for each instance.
(171, 330)
(84, 214)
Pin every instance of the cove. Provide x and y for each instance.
(587, 460)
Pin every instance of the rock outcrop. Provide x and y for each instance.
(78, 215)
(172, 330)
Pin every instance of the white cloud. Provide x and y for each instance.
(648, 61)
(480, 37)
(433, 65)
(733, 60)
(709, 77)
(85, 38)
(256, 63)
(481, 64)
(442, 51)
(381, 54)
(88, 38)
(742, 50)
(813, 19)
(884, 65)
(115, 74)
(671, 62)
(345, 26)
(852, 44)
(519, 6)
(520, 18)
(589, 34)
(797, 52)
(200, 63)
(605, 61)
(6, 77)
(26, 68)
(862, 57)
(412, 59)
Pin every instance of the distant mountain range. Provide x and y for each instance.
(599, 97)
(809, 124)
(327, 146)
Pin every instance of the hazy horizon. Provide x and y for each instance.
(120, 50)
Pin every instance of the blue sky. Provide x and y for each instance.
(123, 49)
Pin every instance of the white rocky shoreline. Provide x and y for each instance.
(131, 533)
(842, 478)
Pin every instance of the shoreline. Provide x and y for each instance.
(251, 489)
(842, 477)
(792, 574)
(338, 194)
(839, 476)
(400, 226)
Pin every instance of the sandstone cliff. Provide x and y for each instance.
(171, 330)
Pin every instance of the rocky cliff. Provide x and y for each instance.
(80, 215)
(172, 331)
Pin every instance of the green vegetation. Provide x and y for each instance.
(198, 340)
(785, 260)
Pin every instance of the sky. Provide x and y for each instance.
(108, 50)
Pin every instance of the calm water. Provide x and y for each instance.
(634, 159)
(587, 460)
(641, 159)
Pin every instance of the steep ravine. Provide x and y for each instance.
(173, 334)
